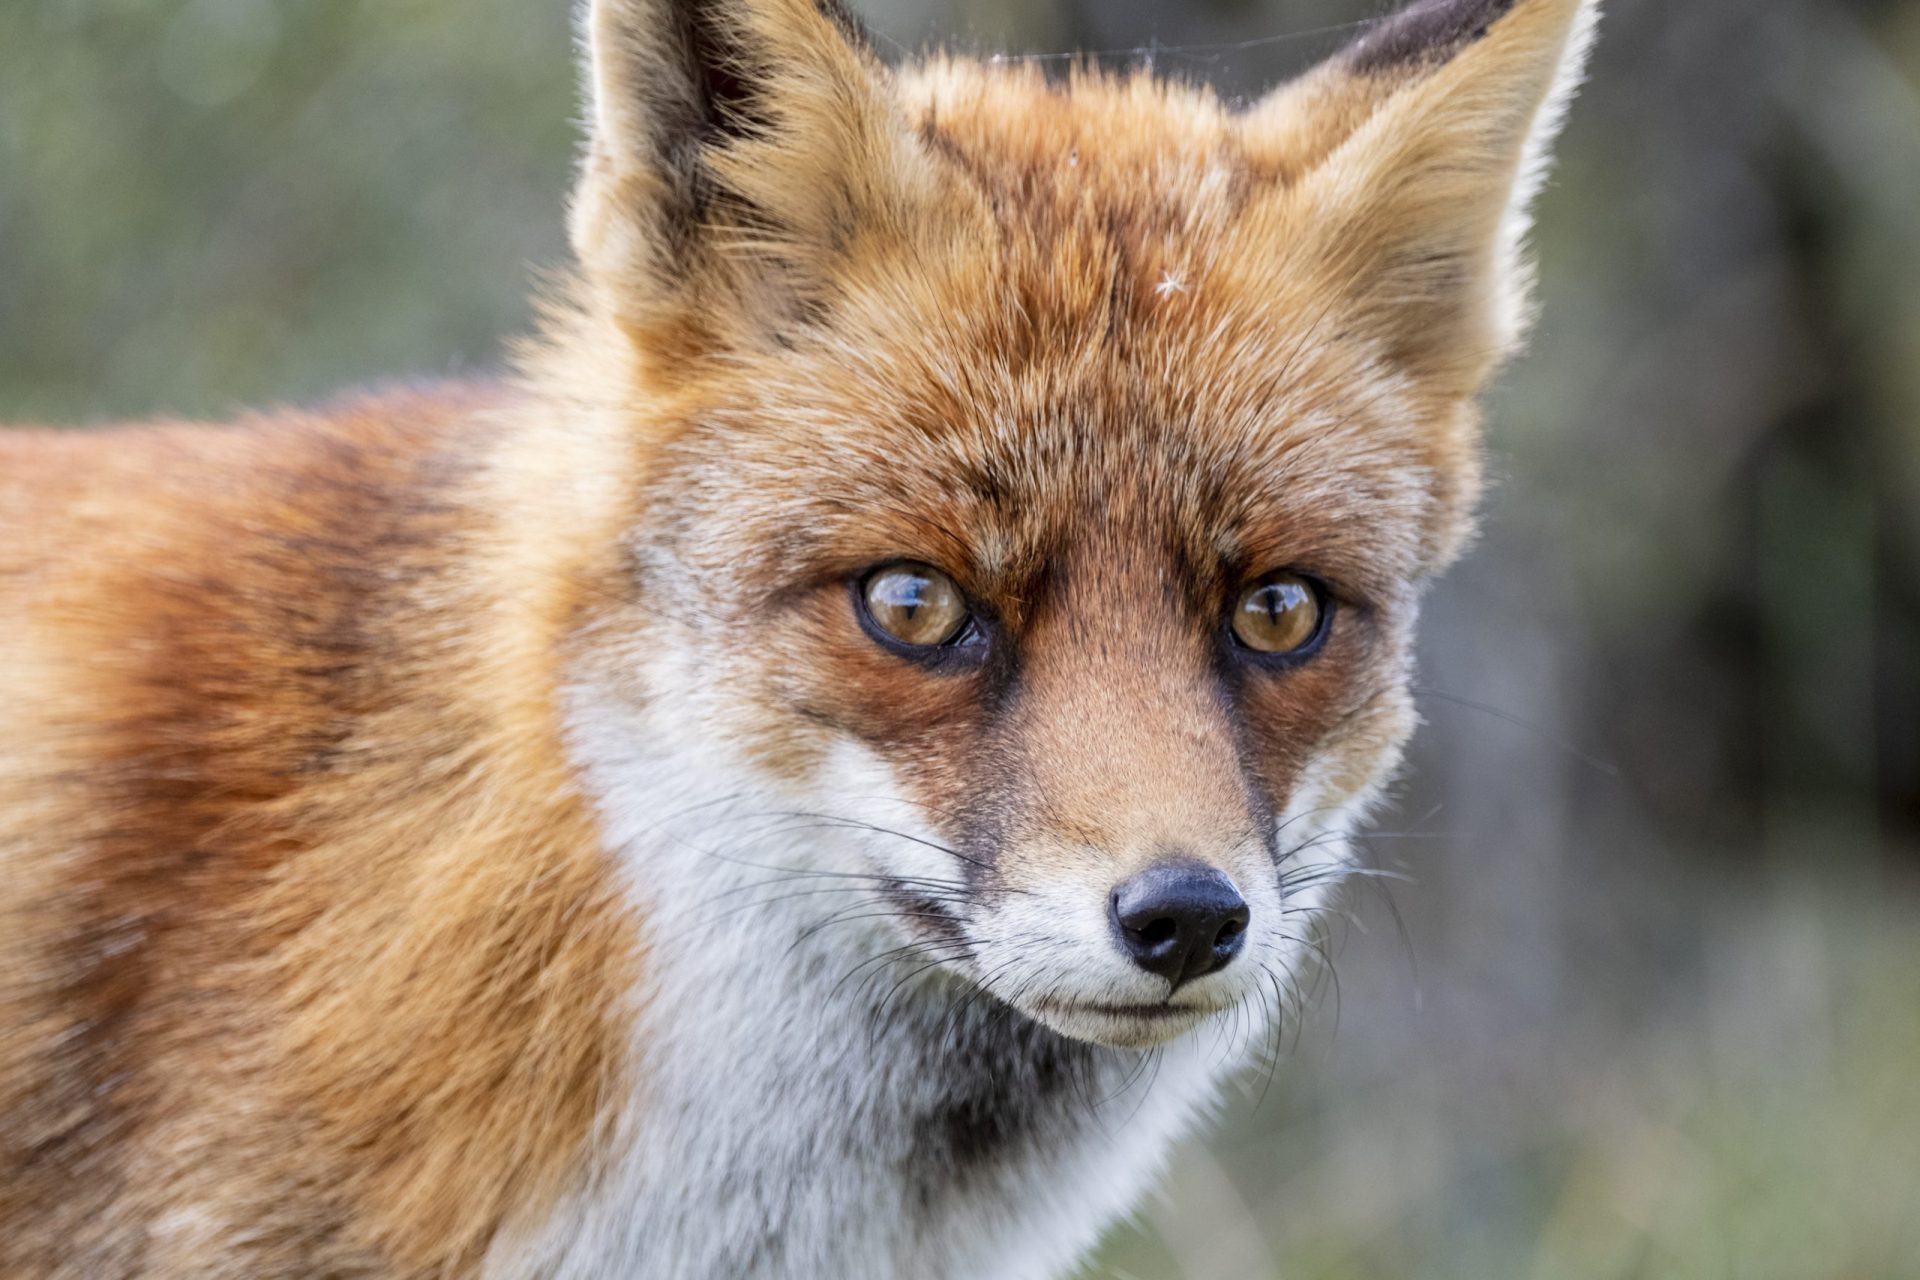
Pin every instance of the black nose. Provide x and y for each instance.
(1179, 919)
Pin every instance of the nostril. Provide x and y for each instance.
(1229, 931)
(1158, 931)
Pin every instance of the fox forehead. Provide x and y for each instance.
(1098, 336)
(836, 464)
(815, 483)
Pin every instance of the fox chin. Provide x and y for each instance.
(828, 768)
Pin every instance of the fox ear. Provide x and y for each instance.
(734, 147)
(1417, 154)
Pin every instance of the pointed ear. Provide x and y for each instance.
(735, 147)
(1417, 154)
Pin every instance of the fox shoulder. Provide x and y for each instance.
(285, 830)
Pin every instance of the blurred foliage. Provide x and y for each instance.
(205, 203)
(1652, 1007)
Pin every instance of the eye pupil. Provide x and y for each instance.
(1281, 614)
(915, 604)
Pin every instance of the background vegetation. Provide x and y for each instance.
(1651, 1005)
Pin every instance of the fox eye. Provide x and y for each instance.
(916, 604)
(1281, 615)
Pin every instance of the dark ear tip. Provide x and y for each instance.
(1425, 33)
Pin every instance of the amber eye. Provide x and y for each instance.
(1280, 614)
(915, 604)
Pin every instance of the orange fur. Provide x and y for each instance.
(296, 873)
(312, 961)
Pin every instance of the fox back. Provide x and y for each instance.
(827, 769)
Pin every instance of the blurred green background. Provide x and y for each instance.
(1651, 1003)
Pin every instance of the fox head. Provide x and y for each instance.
(1034, 479)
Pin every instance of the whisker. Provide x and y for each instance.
(961, 1002)
(879, 1016)
(1279, 1035)
(1541, 732)
(709, 921)
(882, 958)
(833, 820)
(1155, 1057)
(842, 917)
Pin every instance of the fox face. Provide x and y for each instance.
(1041, 476)
(1100, 695)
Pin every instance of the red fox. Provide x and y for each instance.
(898, 664)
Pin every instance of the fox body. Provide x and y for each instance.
(825, 772)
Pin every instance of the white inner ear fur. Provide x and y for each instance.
(1514, 294)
